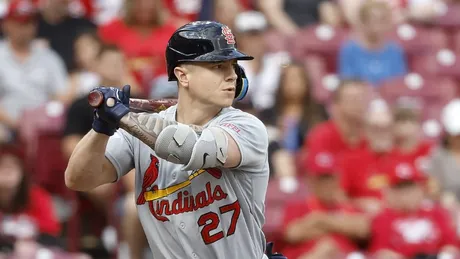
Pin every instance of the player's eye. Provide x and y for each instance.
(217, 66)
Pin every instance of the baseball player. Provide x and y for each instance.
(201, 165)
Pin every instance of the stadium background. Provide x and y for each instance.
(353, 89)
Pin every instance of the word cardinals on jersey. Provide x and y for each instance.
(184, 202)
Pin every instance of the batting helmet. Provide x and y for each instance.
(206, 41)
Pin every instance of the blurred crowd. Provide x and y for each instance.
(360, 99)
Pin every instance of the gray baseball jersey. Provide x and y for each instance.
(206, 213)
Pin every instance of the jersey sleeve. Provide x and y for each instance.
(120, 152)
(251, 136)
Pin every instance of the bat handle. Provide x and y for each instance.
(95, 98)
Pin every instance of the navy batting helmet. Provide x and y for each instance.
(206, 41)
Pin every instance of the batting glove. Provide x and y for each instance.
(108, 115)
(271, 255)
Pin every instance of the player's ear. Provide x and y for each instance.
(181, 73)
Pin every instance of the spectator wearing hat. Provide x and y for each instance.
(370, 56)
(29, 75)
(445, 161)
(325, 225)
(410, 226)
(264, 71)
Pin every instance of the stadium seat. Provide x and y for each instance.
(319, 39)
(451, 18)
(456, 41)
(416, 88)
(417, 40)
(322, 82)
(45, 118)
(444, 62)
(276, 41)
(275, 202)
(431, 123)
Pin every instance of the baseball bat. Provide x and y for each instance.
(96, 98)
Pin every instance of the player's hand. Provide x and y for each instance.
(271, 255)
(115, 105)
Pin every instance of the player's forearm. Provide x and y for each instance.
(146, 127)
(86, 167)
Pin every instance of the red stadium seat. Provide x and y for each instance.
(276, 41)
(456, 41)
(322, 82)
(451, 19)
(417, 40)
(48, 118)
(275, 202)
(319, 39)
(423, 90)
(444, 62)
(431, 123)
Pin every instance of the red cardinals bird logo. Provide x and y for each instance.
(150, 176)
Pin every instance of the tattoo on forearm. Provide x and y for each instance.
(147, 126)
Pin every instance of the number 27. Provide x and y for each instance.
(214, 221)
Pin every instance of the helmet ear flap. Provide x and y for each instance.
(242, 83)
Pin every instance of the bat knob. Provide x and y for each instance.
(95, 98)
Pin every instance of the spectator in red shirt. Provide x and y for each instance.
(324, 226)
(26, 209)
(344, 131)
(411, 227)
(409, 145)
(364, 171)
(142, 34)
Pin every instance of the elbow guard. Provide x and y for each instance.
(180, 144)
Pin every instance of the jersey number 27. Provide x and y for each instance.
(210, 221)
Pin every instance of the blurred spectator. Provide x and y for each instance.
(86, 76)
(109, 65)
(264, 71)
(445, 161)
(344, 131)
(288, 16)
(364, 172)
(370, 57)
(186, 9)
(411, 227)
(29, 75)
(295, 108)
(59, 29)
(225, 11)
(409, 145)
(325, 225)
(403, 10)
(26, 210)
(142, 34)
